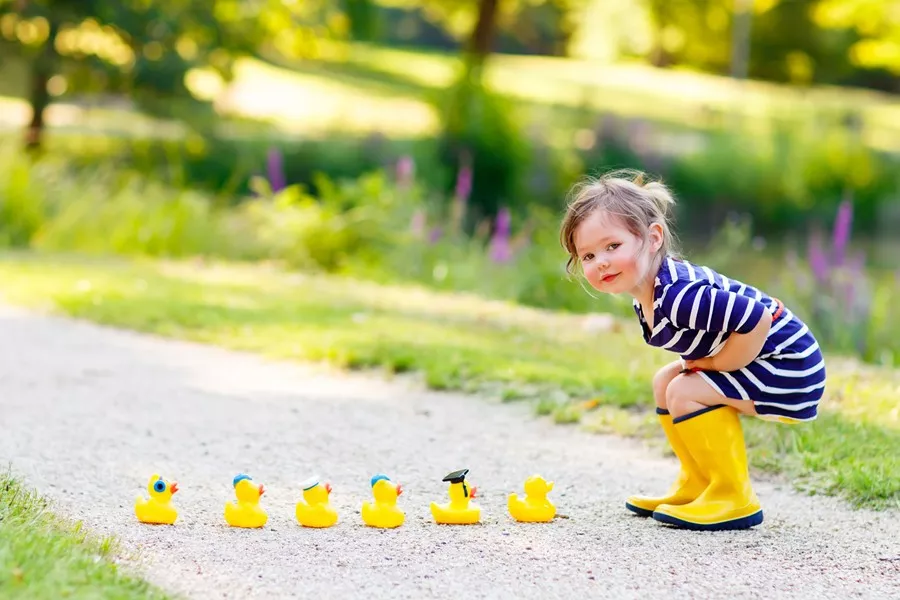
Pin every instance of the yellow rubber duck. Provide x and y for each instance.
(383, 512)
(246, 511)
(157, 509)
(314, 510)
(534, 508)
(458, 511)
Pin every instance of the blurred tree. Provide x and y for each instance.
(740, 38)
(480, 42)
(478, 22)
(788, 46)
(693, 32)
(546, 28)
(481, 134)
(363, 19)
(794, 41)
(142, 49)
(875, 28)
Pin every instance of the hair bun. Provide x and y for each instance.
(661, 195)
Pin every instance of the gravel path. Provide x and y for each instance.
(89, 413)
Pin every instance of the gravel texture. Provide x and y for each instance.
(88, 413)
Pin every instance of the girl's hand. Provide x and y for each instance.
(707, 363)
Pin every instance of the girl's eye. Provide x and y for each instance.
(587, 257)
(613, 246)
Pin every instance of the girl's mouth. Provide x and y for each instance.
(609, 278)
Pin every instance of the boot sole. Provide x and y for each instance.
(641, 512)
(742, 523)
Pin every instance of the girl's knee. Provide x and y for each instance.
(677, 395)
(661, 382)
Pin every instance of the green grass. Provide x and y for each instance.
(462, 342)
(42, 556)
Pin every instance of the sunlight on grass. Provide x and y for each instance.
(362, 88)
(868, 394)
(15, 113)
(632, 89)
(317, 104)
(598, 379)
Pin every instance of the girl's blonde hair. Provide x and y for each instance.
(625, 194)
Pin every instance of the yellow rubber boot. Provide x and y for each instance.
(690, 483)
(716, 441)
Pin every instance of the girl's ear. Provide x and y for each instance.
(656, 236)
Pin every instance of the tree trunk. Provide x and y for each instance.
(42, 70)
(479, 46)
(362, 15)
(740, 38)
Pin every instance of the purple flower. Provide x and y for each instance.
(504, 220)
(464, 179)
(500, 249)
(501, 252)
(275, 170)
(818, 260)
(406, 169)
(434, 235)
(842, 230)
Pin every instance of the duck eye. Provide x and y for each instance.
(159, 486)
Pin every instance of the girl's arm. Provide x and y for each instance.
(740, 349)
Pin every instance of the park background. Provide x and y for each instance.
(379, 184)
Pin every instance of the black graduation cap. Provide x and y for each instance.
(458, 477)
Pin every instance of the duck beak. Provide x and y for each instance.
(549, 486)
(262, 489)
(328, 487)
(472, 492)
(399, 489)
(174, 487)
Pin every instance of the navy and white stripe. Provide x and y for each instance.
(695, 310)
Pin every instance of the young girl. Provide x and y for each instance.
(741, 350)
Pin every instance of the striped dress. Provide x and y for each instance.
(695, 310)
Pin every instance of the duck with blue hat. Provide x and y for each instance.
(383, 512)
(245, 511)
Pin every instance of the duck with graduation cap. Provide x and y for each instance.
(460, 510)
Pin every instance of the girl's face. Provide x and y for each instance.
(614, 260)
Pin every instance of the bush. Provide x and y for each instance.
(480, 133)
(135, 217)
(23, 197)
(48, 206)
(329, 232)
(781, 178)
